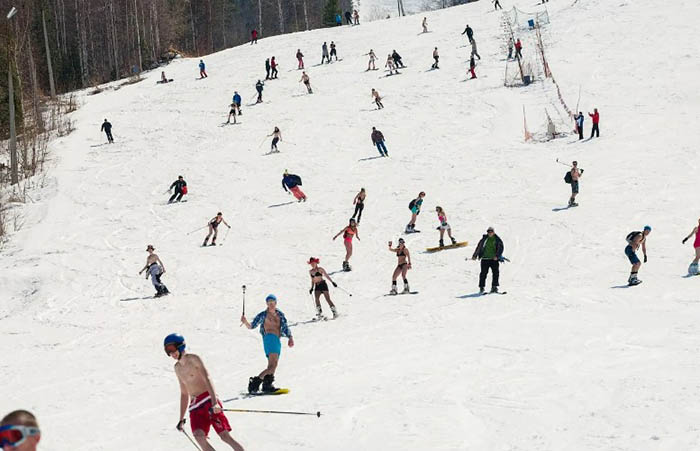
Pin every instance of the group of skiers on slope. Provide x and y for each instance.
(595, 130)
(270, 68)
(328, 56)
(517, 46)
(351, 18)
(235, 107)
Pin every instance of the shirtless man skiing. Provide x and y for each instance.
(273, 325)
(197, 392)
(155, 268)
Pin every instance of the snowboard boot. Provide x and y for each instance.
(319, 313)
(494, 290)
(335, 312)
(267, 386)
(453, 241)
(405, 288)
(393, 289)
(346, 266)
(442, 244)
(481, 290)
(254, 384)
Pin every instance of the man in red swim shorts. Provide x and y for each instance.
(197, 395)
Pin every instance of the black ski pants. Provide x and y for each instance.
(580, 132)
(177, 194)
(358, 210)
(595, 131)
(485, 266)
(109, 135)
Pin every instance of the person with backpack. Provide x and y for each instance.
(180, 186)
(307, 82)
(348, 233)
(107, 128)
(436, 57)
(378, 140)
(291, 184)
(276, 137)
(397, 59)
(202, 70)
(469, 32)
(414, 206)
(359, 202)
(579, 125)
(259, 87)
(596, 118)
(267, 68)
(300, 59)
(490, 252)
(693, 269)
(634, 240)
(334, 52)
(572, 177)
(254, 37)
(324, 53)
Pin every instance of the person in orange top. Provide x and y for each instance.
(348, 232)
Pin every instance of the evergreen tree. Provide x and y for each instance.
(329, 12)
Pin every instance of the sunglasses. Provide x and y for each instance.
(11, 435)
(170, 348)
(489, 231)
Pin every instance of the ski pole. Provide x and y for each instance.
(196, 230)
(317, 414)
(225, 235)
(190, 439)
(343, 290)
(243, 303)
(561, 162)
(261, 142)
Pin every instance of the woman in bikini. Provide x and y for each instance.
(696, 245)
(442, 217)
(214, 228)
(403, 266)
(348, 232)
(320, 287)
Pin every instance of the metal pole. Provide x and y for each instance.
(14, 179)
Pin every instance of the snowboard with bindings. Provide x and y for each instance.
(400, 294)
(279, 391)
(449, 246)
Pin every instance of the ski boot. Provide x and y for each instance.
(442, 243)
(346, 266)
(335, 312)
(213, 242)
(405, 288)
(267, 386)
(453, 241)
(206, 240)
(254, 384)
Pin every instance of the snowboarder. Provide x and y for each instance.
(180, 186)
(348, 17)
(397, 59)
(469, 32)
(163, 78)
(359, 202)
(324, 53)
(634, 240)
(404, 264)
(276, 137)
(414, 206)
(693, 270)
(273, 68)
(320, 287)
(425, 25)
(197, 388)
(107, 128)
(579, 125)
(596, 118)
(442, 217)
(377, 99)
(490, 252)
(293, 182)
(474, 52)
(372, 59)
(254, 37)
(307, 82)
(497, 5)
(378, 140)
(576, 174)
(237, 101)
(214, 228)
(472, 66)
(390, 64)
(436, 57)
(259, 87)
(19, 431)
(300, 59)
(202, 70)
(155, 268)
(333, 52)
(273, 326)
(356, 16)
(348, 233)
(267, 68)
(518, 48)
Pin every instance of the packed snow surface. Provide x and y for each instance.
(569, 359)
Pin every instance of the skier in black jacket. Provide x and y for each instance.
(397, 59)
(490, 252)
(469, 32)
(267, 69)
(180, 186)
(259, 87)
(107, 128)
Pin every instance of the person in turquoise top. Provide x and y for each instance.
(414, 206)
(490, 252)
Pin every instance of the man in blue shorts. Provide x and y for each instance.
(634, 240)
(273, 325)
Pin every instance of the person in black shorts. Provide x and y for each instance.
(320, 287)
(634, 240)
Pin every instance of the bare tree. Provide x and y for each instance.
(48, 54)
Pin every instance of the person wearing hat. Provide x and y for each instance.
(155, 268)
(490, 252)
(273, 325)
(180, 186)
(634, 240)
(320, 287)
(19, 430)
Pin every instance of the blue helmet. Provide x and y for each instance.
(271, 297)
(647, 227)
(175, 339)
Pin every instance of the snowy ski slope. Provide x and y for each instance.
(569, 359)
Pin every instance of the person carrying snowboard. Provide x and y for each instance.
(425, 25)
(202, 70)
(436, 57)
(596, 119)
(273, 326)
(291, 184)
(472, 66)
(276, 137)
(214, 228)
(180, 186)
(320, 287)
(254, 37)
(390, 64)
(359, 202)
(107, 128)
(259, 87)
(348, 233)
(634, 240)
(404, 264)
(197, 396)
(324, 53)
(378, 140)
(576, 174)
(300, 59)
(372, 59)
(155, 268)
(469, 32)
(377, 99)
(307, 82)
(490, 252)
(579, 125)
(442, 217)
(693, 270)
(334, 52)
(414, 206)
(397, 59)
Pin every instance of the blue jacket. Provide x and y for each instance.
(290, 181)
(237, 99)
(201, 65)
(260, 319)
(579, 120)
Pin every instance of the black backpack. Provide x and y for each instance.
(632, 235)
(411, 204)
(296, 179)
(567, 177)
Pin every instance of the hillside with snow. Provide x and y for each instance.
(570, 358)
